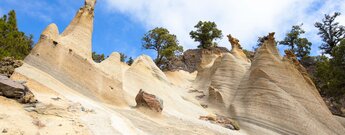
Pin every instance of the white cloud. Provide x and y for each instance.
(244, 19)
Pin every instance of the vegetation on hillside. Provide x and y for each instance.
(98, 57)
(165, 44)
(298, 45)
(13, 43)
(123, 57)
(130, 61)
(330, 71)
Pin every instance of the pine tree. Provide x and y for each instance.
(206, 32)
(123, 57)
(299, 46)
(130, 61)
(166, 45)
(331, 32)
(98, 58)
(13, 42)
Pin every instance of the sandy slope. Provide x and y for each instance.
(100, 118)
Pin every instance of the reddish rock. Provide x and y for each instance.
(222, 121)
(144, 99)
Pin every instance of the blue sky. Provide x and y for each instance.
(120, 24)
(112, 31)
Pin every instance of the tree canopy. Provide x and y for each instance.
(206, 32)
(130, 61)
(123, 57)
(298, 45)
(330, 31)
(13, 42)
(259, 42)
(330, 73)
(165, 44)
(97, 57)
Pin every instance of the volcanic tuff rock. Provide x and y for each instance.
(276, 94)
(272, 93)
(236, 48)
(269, 95)
(61, 66)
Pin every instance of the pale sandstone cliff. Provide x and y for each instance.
(270, 95)
(276, 95)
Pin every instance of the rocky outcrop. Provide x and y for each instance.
(67, 58)
(272, 92)
(15, 90)
(144, 99)
(192, 58)
(8, 64)
(236, 48)
(276, 95)
(78, 35)
(220, 76)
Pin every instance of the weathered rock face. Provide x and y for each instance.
(276, 93)
(220, 75)
(67, 57)
(78, 35)
(144, 99)
(8, 64)
(272, 92)
(15, 90)
(192, 58)
(214, 95)
(236, 49)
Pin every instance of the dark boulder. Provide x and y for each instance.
(15, 90)
(150, 101)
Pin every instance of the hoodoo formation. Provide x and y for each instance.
(228, 92)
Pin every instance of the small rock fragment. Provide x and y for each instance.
(4, 130)
(221, 120)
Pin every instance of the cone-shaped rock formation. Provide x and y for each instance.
(269, 95)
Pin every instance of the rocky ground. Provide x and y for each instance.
(8, 64)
